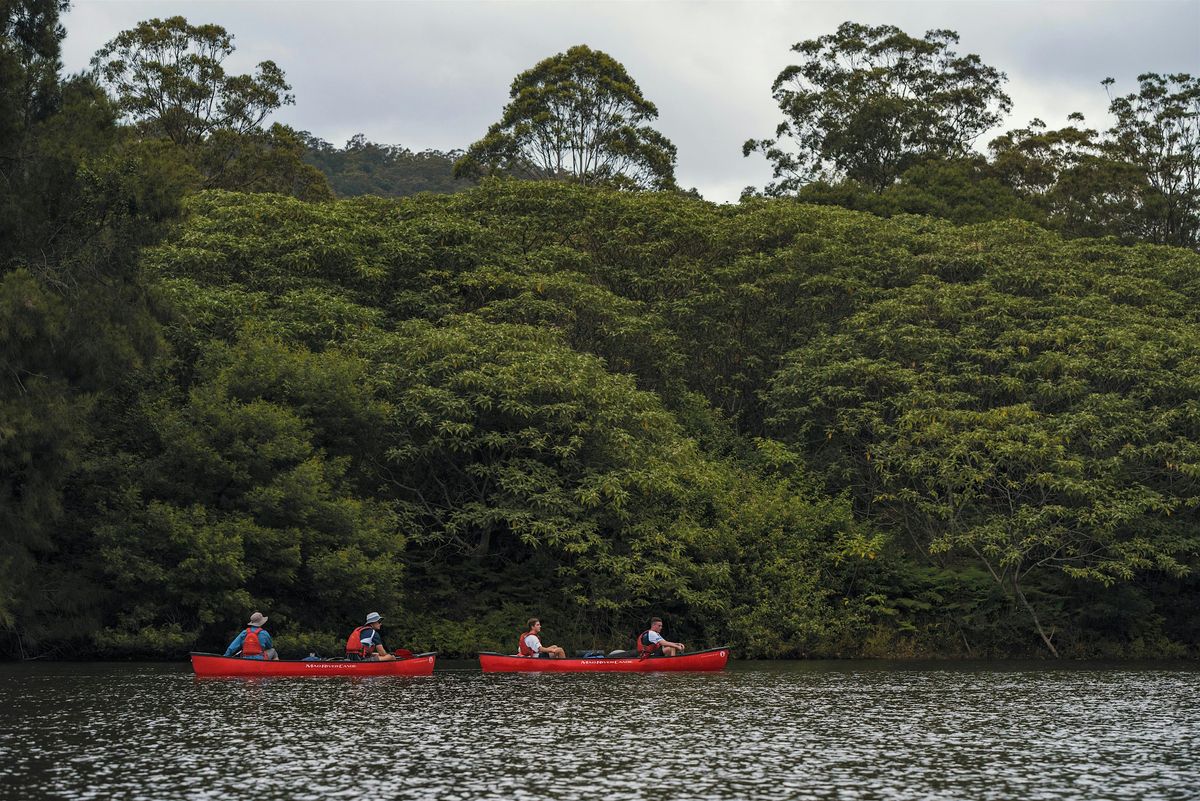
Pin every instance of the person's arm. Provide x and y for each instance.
(265, 640)
(381, 650)
(236, 645)
(655, 637)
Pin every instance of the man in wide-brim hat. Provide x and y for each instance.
(253, 642)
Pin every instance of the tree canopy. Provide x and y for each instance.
(168, 78)
(868, 102)
(799, 429)
(576, 116)
(1158, 131)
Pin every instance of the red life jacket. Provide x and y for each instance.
(522, 648)
(354, 646)
(251, 646)
(643, 648)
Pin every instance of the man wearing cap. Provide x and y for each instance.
(366, 643)
(254, 642)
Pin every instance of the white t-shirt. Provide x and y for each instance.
(534, 644)
(653, 636)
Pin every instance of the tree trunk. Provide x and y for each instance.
(1036, 623)
(484, 544)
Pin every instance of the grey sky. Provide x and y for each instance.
(428, 74)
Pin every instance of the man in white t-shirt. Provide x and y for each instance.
(652, 643)
(531, 645)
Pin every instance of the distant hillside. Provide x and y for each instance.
(369, 168)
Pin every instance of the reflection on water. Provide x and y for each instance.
(756, 731)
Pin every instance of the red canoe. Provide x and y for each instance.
(214, 665)
(712, 659)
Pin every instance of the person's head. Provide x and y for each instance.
(373, 620)
(257, 619)
(656, 624)
(534, 624)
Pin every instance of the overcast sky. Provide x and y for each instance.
(436, 73)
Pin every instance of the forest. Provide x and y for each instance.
(908, 400)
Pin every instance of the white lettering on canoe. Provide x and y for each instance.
(329, 665)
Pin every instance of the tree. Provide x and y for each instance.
(168, 77)
(1073, 178)
(30, 38)
(272, 160)
(1032, 159)
(962, 190)
(523, 442)
(576, 116)
(74, 313)
(1138, 181)
(866, 103)
(169, 80)
(1158, 130)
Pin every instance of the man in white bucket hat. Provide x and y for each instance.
(366, 643)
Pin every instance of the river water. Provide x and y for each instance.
(795, 730)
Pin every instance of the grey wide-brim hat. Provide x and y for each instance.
(374, 617)
(257, 619)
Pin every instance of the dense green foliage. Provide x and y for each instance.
(937, 428)
(465, 409)
(74, 312)
(1035, 419)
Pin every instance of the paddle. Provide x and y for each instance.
(403, 653)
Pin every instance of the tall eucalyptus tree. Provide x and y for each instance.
(866, 103)
(576, 116)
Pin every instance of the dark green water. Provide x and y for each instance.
(809, 730)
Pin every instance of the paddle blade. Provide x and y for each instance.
(403, 653)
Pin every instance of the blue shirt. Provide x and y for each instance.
(264, 639)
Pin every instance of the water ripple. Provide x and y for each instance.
(843, 731)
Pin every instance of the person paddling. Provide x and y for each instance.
(651, 643)
(366, 643)
(531, 645)
(254, 642)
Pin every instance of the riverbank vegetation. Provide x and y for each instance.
(802, 429)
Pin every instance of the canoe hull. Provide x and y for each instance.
(712, 659)
(214, 665)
